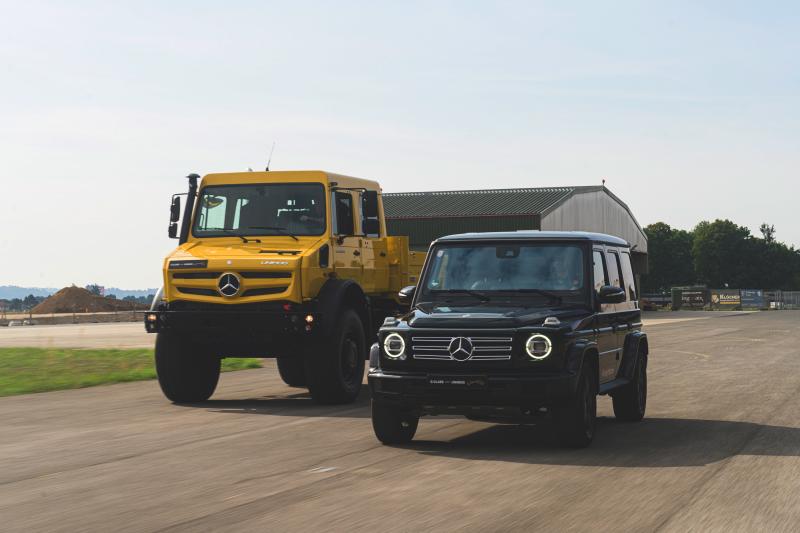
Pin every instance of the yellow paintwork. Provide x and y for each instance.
(381, 265)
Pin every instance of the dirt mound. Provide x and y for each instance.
(76, 300)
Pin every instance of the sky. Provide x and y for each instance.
(689, 110)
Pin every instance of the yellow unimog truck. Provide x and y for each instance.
(294, 265)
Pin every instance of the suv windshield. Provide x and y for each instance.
(261, 209)
(526, 274)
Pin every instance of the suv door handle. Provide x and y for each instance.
(356, 252)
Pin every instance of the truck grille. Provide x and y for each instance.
(483, 348)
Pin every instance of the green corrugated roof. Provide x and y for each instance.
(524, 201)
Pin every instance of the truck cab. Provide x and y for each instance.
(294, 265)
(510, 327)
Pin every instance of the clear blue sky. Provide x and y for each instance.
(688, 109)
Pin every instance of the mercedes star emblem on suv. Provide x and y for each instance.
(228, 284)
(460, 348)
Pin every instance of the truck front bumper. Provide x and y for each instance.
(264, 331)
(462, 393)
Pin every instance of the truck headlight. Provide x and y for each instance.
(538, 346)
(394, 346)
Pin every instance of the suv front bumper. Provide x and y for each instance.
(460, 393)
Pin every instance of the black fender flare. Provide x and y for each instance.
(337, 294)
(581, 351)
(634, 341)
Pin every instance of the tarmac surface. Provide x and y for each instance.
(718, 451)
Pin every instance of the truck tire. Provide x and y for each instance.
(630, 401)
(292, 371)
(186, 371)
(334, 368)
(575, 423)
(391, 425)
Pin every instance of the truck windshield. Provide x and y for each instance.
(538, 274)
(261, 209)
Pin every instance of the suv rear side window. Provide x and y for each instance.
(627, 273)
(600, 276)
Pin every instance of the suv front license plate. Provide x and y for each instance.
(458, 382)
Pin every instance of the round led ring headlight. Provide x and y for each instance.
(394, 346)
(538, 346)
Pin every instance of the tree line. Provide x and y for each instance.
(719, 254)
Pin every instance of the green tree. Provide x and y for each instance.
(721, 250)
(669, 258)
(768, 232)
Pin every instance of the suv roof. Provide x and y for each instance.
(536, 235)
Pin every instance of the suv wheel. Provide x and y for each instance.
(630, 401)
(292, 371)
(335, 370)
(575, 423)
(392, 425)
(186, 371)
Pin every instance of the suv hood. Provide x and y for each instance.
(488, 318)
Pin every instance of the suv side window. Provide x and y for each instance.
(600, 276)
(613, 271)
(343, 206)
(627, 274)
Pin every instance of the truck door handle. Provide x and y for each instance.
(356, 252)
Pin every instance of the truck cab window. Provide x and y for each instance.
(343, 204)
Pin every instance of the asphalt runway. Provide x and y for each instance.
(718, 451)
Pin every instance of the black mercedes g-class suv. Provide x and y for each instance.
(508, 327)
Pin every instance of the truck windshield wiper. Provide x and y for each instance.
(479, 295)
(235, 234)
(277, 228)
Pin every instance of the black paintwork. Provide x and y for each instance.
(605, 335)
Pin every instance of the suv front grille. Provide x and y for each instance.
(484, 348)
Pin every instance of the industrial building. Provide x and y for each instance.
(425, 216)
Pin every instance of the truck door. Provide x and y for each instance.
(347, 260)
(374, 248)
(606, 336)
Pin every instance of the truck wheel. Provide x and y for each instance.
(630, 401)
(575, 423)
(335, 370)
(186, 371)
(391, 425)
(292, 371)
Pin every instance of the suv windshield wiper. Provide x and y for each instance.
(277, 228)
(558, 299)
(479, 295)
(235, 234)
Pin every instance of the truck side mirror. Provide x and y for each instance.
(173, 230)
(406, 294)
(372, 226)
(369, 204)
(175, 209)
(609, 294)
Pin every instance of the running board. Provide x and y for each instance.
(605, 388)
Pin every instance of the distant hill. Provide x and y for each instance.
(9, 292)
(74, 299)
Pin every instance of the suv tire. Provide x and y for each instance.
(392, 425)
(292, 370)
(334, 370)
(575, 423)
(186, 371)
(630, 401)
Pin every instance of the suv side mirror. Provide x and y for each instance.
(175, 209)
(173, 230)
(406, 294)
(371, 226)
(609, 294)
